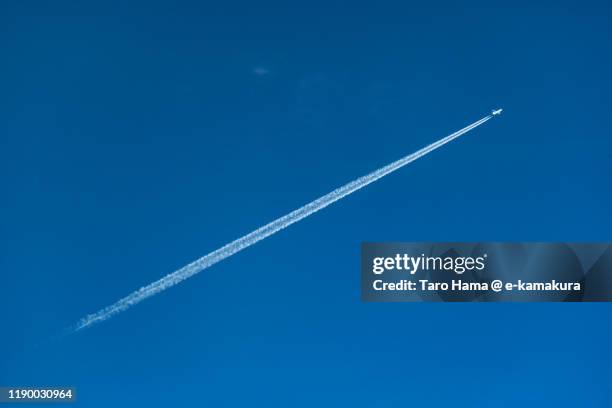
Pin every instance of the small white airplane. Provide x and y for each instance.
(497, 112)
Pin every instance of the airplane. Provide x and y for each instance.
(497, 112)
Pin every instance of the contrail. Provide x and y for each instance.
(259, 234)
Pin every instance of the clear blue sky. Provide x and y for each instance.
(138, 136)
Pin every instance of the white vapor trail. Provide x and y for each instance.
(246, 241)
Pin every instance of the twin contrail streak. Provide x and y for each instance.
(246, 241)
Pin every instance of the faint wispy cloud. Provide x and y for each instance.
(260, 71)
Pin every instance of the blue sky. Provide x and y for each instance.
(138, 136)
